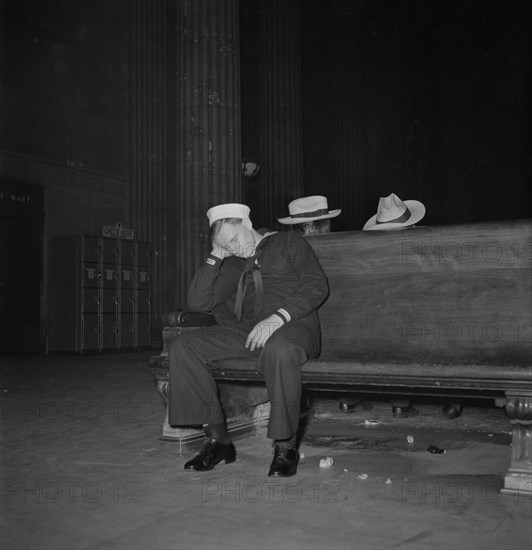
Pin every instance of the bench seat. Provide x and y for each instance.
(489, 380)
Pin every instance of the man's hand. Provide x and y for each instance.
(262, 331)
(219, 251)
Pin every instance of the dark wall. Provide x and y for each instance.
(427, 99)
(63, 67)
(475, 111)
(64, 108)
(439, 111)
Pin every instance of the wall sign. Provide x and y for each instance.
(21, 199)
(118, 232)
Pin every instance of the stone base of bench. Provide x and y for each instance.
(246, 407)
(188, 439)
(518, 485)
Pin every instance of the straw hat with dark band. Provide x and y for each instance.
(309, 209)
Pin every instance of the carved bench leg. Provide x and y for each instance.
(518, 480)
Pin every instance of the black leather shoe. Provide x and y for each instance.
(285, 459)
(452, 410)
(210, 454)
(404, 412)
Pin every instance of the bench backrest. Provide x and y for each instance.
(444, 294)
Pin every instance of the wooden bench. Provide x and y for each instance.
(443, 310)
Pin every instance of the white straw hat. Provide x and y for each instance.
(308, 209)
(393, 213)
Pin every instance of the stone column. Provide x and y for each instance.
(373, 151)
(208, 120)
(349, 150)
(146, 136)
(281, 146)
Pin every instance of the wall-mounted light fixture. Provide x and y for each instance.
(250, 169)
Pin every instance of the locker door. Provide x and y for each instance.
(109, 251)
(127, 331)
(143, 330)
(110, 332)
(90, 300)
(91, 250)
(110, 295)
(109, 278)
(127, 253)
(143, 301)
(90, 330)
(90, 274)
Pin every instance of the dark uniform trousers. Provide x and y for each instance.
(193, 391)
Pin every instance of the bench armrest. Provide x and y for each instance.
(189, 318)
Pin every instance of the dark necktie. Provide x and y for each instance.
(253, 267)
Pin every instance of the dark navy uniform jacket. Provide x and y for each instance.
(293, 282)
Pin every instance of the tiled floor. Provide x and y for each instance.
(82, 467)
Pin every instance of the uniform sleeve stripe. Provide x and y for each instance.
(284, 315)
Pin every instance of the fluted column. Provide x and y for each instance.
(208, 119)
(281, 177)
(373, 151)
(146, 135)
(351, 134)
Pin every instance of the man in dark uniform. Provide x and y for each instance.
(311, 216)
(264, 291)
